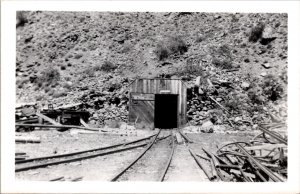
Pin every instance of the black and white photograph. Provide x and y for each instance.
(150, 97)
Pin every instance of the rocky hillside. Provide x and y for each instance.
(91, 57)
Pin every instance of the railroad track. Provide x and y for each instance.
(42, 162)
(150, 165)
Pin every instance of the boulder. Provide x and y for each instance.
(268, 33)
(237, 119)
(266, 65)
(125, 126)
(207, 124)
(207, 130)
(112, 123)
(197, 82)
(245, 85)
(263, 74)
(219, 99)
(267, 36)
(200, 91)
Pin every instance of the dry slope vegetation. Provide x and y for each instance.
(90, 57)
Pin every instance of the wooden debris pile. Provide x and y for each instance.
(29, 117)
(264, 159)
(26, 114)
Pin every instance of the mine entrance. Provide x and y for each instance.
(165, 114)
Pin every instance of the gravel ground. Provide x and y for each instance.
(151, 165)
(182, 168)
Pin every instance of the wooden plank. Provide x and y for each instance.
(145, 86)
(69, 106)
(60, 127)
(178, 138)
(139, 96)
(27, 139)
(140, 86)
(183, 104)
(84, 123)
(266, 146)
(48, 119)
(144, 110)
(238, 172)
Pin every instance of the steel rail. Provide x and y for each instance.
(161, 179)
(84, 151)
(209, 176)
(185, 137)
(213, 162)
(258, 174)
(78, 158)
(275, 136)
(77, 179)
(115, 178)
(241, 155)
(83, 157)
(233, 143)
(259, 165)
(60, 127)
(57, 179)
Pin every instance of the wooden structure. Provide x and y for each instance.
(158, 103)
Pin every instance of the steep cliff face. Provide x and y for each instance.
(91, 57)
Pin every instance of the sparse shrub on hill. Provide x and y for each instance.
(39, 97)
(222, 57)
(21, 83)
(255, 95)
(171, 45)
(58, 94)
(92, 46)
(78, 56)
(200, 38)
(234, 102)
(67, 86)
(113, 85)
(283, 76)
(162, 52)
(191, 68)
(21, 18)
(50, 92)
(108, 66)
(256, 32)
(272, 88)
(177, 45)
(49, 76)
(47, 89)
(89, 72)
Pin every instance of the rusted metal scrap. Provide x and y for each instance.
(254, 161)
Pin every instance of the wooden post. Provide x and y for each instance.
(48, 119)
(84, 123)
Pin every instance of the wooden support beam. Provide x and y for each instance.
(27, 139)
(48, 119)
(186, 137)
(218, 104)
(84, 123)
